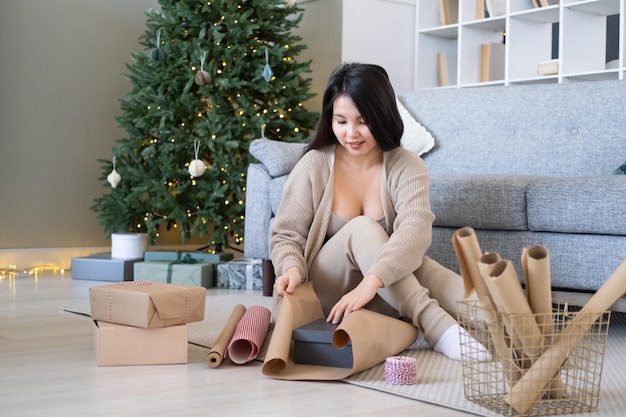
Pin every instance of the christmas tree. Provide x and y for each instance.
(213, 76)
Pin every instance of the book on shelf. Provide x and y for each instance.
(446, 68)
(448, 12)
(495, 7)
(550, 67)
(481, 10)
(544, 3)
(492, 62)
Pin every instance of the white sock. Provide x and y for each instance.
(450, 345)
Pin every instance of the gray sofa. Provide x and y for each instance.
(523, 165)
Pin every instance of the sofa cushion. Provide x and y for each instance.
(578, 205)
(278, 157)
(480, 201)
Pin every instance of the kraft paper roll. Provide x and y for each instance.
(468, 252)
(249, 335)
(373, 336)
(536, 269)
(536, 266)
(506, 353)
(527, 392)
(218, 352)
(511, 301)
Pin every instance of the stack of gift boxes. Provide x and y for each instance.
(203, 269)
(144, 322)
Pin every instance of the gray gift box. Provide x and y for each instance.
(242, 273)
(102, 267)
(313, 346)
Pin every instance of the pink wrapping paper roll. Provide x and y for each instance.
(249, 335)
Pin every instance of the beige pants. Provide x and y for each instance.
(428, 296)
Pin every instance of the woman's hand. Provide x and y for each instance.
(355, 299)
(288, 282)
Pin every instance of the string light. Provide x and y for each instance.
(12, 271)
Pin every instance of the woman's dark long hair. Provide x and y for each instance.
(369, 88)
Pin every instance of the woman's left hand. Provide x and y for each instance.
(355, 299)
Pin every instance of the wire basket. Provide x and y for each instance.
(496, 383)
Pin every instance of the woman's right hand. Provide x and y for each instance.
(288, 282)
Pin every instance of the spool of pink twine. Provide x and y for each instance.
(400, 370)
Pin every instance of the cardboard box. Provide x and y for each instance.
(147, 304)
(200, 274)
(116, 344)
(199, 256)
(243, 273)
(102, 267)
(313, 346)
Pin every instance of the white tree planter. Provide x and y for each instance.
(128, 245)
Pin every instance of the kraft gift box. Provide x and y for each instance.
(199, 256)
(200, 274)
(116, 344)
(240, 273)
(313, 346)
(102, 267)
(147, 304)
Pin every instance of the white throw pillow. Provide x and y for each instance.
(415, 137)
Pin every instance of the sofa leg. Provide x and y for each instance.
(269, 276)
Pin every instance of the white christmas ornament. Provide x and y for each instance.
(114, 178)
(196, 167)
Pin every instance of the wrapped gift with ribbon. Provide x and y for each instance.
(147, 304)
(184, 270)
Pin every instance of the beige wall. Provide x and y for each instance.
(61, 76)
(321, 30)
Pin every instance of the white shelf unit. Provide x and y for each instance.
(580, 28)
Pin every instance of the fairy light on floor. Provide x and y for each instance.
(12, 271)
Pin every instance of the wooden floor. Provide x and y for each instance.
(47, 368)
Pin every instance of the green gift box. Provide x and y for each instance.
(198, 256)
(200, 274)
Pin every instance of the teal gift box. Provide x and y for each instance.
(198, 256)
(200, 274)
(242, 273)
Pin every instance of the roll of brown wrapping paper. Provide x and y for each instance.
(373, 336)
(536, 270)
(218, 352)
(527, 392)
(468, 252)
(505, 287)
(506, 353)
(536, 266)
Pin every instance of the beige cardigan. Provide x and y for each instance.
(300, 225)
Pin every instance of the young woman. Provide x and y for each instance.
(355, 216)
